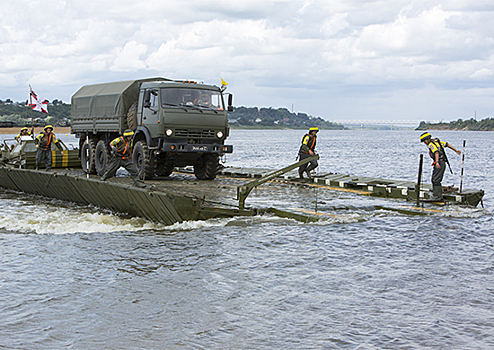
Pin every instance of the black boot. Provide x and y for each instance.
(437, 193)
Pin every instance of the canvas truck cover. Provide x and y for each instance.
(104, 101)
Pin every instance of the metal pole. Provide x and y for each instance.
(243, 191)
(462, 165)
(419, 180)
(87, 155)
(316, 187)
(30, 103)
(316, 198)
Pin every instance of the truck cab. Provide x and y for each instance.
(183, 123)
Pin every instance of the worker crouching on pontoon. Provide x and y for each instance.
(122, 157)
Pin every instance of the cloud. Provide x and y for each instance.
(128, 58)
(482, 74)
(272, 52)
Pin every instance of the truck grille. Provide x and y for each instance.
(194, 133)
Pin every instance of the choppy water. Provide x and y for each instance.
(81, 278)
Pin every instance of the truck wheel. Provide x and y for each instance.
(101, 158)
(88, 152)
(132, 117)
(164, 169)
(206, 167)
(144, 160)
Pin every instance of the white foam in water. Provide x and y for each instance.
(62, 221)
(44, 217)
(196, 225)
(465, 212)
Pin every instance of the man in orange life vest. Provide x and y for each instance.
(122, 157)
(307, 150)
(438, 154)
(43, 152)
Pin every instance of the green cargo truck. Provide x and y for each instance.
(176, 124)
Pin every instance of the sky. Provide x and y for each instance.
(342, 60)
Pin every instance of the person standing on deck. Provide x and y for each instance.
(43, 152)
(438, 154)
(122, 157)
(307, 149)
(24, 132)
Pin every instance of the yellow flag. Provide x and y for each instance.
(223, 82)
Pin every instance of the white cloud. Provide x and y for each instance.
(335, 24)
(128, 58)
(482, 74)
(272, 52)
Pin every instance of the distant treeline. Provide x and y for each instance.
(280, 118)
(19, 114)
(471, 124)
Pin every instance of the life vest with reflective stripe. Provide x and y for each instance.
(308, 143)
(437, 146)
(23, 133)
(123, 147)
(45, 142)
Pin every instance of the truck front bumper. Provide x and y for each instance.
(197, 148)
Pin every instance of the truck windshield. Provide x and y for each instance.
(191, 97)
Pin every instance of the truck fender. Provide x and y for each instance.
(142, 133)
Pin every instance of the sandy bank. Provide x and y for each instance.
(15, 131)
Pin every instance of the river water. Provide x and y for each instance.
(77, 277)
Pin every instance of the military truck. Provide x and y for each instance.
(176, 124)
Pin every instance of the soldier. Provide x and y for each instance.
(203, 101)
(122, 157)
(307, 149)
(438, 155)
(24, 132)
(44, 142)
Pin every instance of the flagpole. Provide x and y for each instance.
(30, 103)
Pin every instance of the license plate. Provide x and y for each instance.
(199, 148)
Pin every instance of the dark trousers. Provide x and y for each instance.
(307, 166)
(437, 174)
(115, 163)
(43, 156)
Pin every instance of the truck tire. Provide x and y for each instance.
(164, 169)
(206, 167)
(102, 157)
(132, 117)
(88, 157)
(144, 160)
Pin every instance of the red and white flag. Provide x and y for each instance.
(35, 103)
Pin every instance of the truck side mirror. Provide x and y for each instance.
(147, 99)
(230, 103)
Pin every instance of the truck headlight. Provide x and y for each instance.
(219, 134)
(169, 132)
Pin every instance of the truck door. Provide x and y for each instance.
(150, 112)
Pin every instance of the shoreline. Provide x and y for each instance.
(37, 130)
(66, 130)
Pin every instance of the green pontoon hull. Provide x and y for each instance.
(155, 205)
